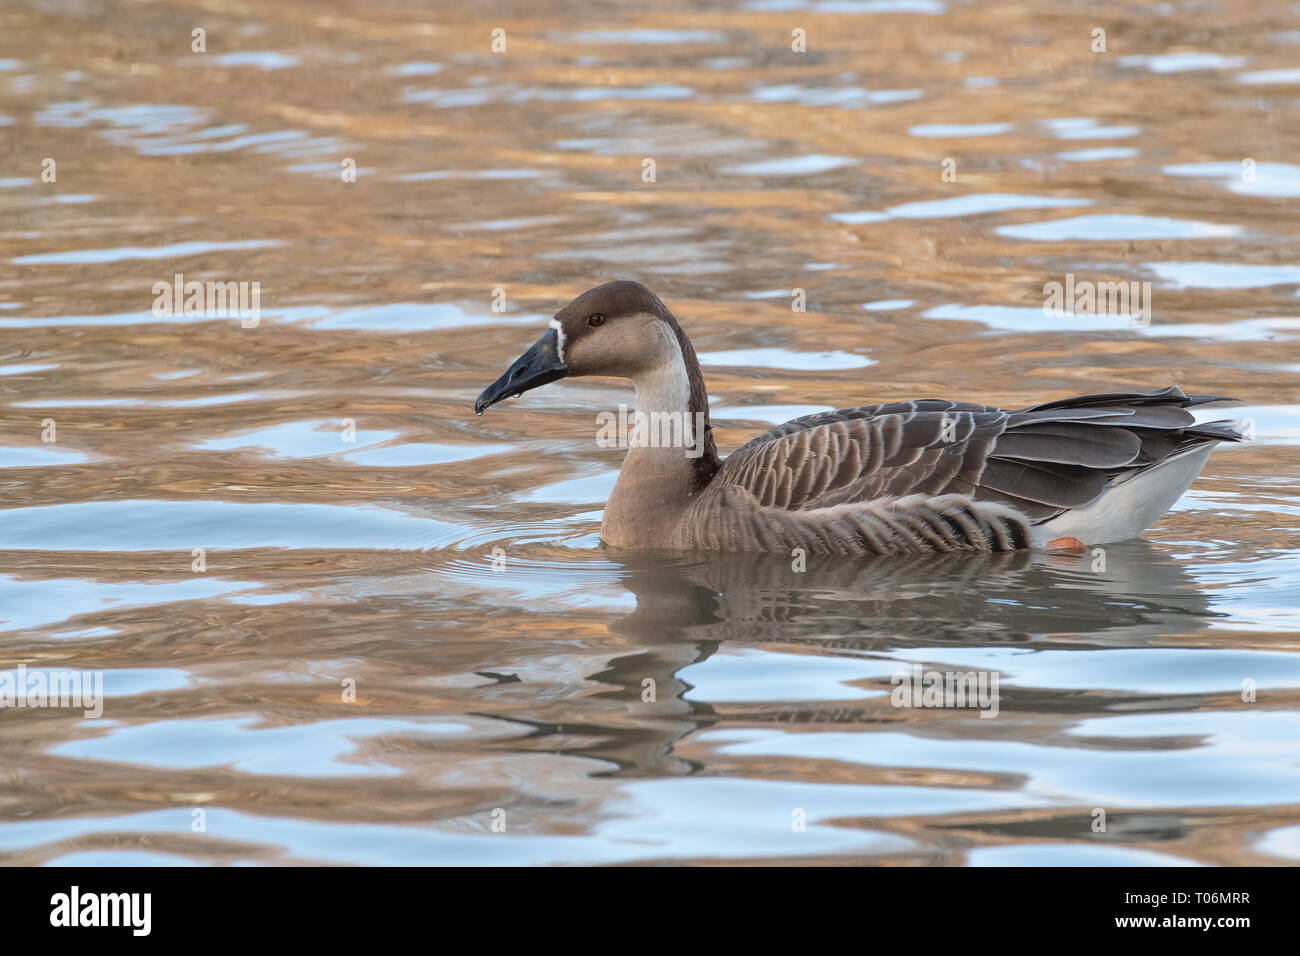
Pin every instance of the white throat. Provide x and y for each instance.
(666, 387)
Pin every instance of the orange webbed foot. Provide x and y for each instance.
(1066, 546)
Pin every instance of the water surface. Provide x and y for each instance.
(351, 623)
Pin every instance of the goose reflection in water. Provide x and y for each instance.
(690, 606)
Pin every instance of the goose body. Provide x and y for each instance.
(896, 478)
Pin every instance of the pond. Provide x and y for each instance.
(339, 619)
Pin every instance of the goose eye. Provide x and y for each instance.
(596, 319)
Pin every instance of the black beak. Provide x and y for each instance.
(536, 367)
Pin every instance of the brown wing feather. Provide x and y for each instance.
(859, 454)
(1041, 460)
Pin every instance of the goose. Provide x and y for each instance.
(898, 478)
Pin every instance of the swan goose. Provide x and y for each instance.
(895, 478)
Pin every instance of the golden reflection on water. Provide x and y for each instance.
(620, 709)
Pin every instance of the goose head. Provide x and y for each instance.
(619, 329)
